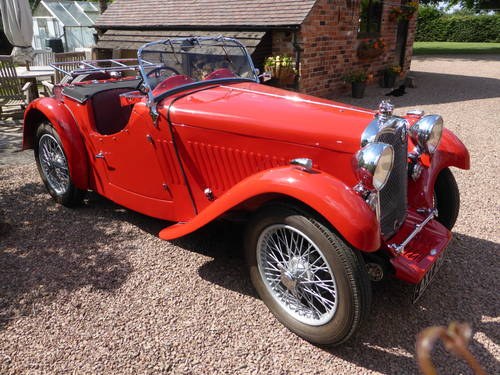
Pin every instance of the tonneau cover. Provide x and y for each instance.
(83, 92)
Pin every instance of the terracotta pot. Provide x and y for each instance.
(389, 79)
(284, 76)
(358, 89)
(369, 53)
(287, 78)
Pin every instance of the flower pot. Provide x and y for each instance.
(389, 80)
(284, 76)
(369, 53)
(358, 89)
(287, 78)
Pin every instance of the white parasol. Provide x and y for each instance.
(18, 27)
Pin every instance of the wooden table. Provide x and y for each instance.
(34, 73)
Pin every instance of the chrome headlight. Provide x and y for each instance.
(373, 164)
(426, 133)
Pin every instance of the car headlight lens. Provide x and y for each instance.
(426, 133)
(373, 164)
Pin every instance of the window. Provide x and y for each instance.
(370, 17)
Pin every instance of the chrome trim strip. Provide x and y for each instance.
(399, 249)
(300, 100)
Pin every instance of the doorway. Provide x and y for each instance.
(402, 37)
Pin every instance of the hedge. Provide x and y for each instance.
(458, 28)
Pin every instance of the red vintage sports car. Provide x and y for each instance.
(336, 196)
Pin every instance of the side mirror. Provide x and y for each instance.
(265, 77)
(130, 98)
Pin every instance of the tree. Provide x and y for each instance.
(34, 4)
(467, 4)
(103, 5)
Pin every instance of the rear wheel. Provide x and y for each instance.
(53, 167)
(307, 276)
(447, 198)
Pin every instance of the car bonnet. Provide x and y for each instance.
(262, 111)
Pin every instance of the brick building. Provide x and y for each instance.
(322, 35)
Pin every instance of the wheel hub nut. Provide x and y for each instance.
(288, 280)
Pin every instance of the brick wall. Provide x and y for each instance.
(329, 40)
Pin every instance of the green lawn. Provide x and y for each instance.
(441, 48)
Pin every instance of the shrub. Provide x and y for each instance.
(355, 76)
(432, 27)
(428, 13)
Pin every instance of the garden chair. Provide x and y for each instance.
(71, 60)
(11, 92)
(43, 57)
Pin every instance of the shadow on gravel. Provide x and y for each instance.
(448, 88)
(464, 291)
(68, 250)
(11, 134)
(222, 241)
(432, 88)
(46, 249)
(10, 137)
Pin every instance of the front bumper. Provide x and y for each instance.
(422, 252)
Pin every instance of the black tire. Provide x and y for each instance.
(353, 288)
(65, 193)
(447, 198)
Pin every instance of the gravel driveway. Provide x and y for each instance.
(93, 290)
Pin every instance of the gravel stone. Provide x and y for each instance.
(93, 289)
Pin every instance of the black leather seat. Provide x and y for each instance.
(109, 116)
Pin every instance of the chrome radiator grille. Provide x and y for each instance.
(393, 197)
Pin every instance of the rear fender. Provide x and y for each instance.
(450, 153)
(325, 194)
(64, 123)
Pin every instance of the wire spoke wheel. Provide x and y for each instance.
(297, 274)
(307, 276)
(53, 163)
(54, 167)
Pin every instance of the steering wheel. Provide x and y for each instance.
(157, 71)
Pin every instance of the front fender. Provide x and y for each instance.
(328, 196)
(450, 153)
(64, 123)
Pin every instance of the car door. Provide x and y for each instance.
(139, 167)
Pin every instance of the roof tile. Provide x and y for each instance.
(204, 13)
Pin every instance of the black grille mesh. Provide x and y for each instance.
(393, 197)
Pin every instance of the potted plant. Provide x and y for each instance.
(282, 68)
(403, 13)
(370, 48)
(390, 74)
(357, 79)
